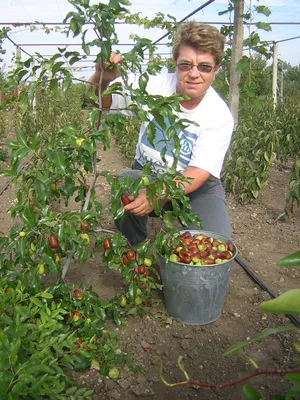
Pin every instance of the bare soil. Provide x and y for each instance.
(262, 236)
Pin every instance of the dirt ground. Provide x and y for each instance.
(262, 237)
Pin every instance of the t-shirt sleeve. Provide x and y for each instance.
(120, 102)
(211, 146)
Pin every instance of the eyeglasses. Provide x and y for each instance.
(185, 66)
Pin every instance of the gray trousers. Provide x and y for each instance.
(208, 202)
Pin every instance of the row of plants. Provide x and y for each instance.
(263, 137)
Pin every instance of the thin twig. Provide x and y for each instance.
(103, 230)
(67, 264)
(257, 372)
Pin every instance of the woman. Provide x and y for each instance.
(197, 53)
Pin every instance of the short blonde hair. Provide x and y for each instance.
(200, 36)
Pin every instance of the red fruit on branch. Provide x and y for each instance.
(84, 226)
(79, 343)
(76, 315)
(141, 269)
(125, 260)
(53, 241)
(78, 294)
(106, 243)
(130, 254)
(125, 199)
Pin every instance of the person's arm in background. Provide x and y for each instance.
(108, 75)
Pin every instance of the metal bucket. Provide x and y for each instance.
(196, 294)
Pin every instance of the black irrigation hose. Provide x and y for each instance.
(264, 286)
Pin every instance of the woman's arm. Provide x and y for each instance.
(104, 76)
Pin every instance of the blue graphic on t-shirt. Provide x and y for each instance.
(187, 140)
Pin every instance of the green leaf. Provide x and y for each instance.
(292, 260)
(59, 160)
(168, 219)
(71, 390)
(12, 145)
(286, 303)
(61, 235)
(31, 93)
(264, 26)
(294, 392)
(36, 301)
(143, 80)
(66, 83)
(54, 87)
(56, 67)
(267, 332)
(21, 74)
(21, 139)
(293, 377)
(41, 190)
(116, 318)
(250, 393)
(263, 10)
(46, 295)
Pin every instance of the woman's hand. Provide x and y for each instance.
(109, 74)
(140, 205)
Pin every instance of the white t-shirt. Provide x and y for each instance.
(203, 146)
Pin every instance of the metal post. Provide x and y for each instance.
(281, 84)
(18, 54)
(275, 72)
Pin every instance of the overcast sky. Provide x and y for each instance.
(55, 11)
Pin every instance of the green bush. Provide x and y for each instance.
(263, 135)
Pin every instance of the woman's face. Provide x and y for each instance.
(194, 83)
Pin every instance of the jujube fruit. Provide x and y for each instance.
(141, 269)
(125, 199)
(123, 301)
(40, 269)
(106, 243)
(85, 238)
(130, 254)
(76, 315)
(53, 241)
(201, 249)
(113, 373)
(84, 226)
(78, 293)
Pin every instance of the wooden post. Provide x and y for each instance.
(236, 55)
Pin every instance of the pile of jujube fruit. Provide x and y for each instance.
(201, 249)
